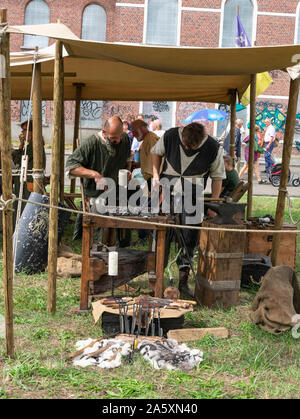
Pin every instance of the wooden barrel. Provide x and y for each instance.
(220, 261)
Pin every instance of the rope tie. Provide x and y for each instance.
(290, 206)
(6, 205)
(38, 173)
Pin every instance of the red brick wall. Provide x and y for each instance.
(195, 30)
(125, 24)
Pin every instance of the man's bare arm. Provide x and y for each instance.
(86, 173)
(216, 188)
(156, 163)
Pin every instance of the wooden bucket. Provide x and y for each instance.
(219, 266)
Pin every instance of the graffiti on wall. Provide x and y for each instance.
(275, 111)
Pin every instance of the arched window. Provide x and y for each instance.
(246, 10)
(162, 22)
(93, 29)
(94, 23)
(37, 12)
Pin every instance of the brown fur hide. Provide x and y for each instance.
(277, 301)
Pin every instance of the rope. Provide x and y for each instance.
(6, 205)
(237, 230)
(290, 206)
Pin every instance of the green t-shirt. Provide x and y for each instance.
(231, 181)
(93, 154)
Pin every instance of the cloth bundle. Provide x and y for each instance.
(166, 354)
(278, 300)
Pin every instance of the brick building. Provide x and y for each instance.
(201, 23)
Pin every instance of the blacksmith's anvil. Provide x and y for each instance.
(228, 212)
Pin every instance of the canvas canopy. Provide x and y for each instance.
(112, 71)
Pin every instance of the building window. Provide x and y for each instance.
(94, 23)
(161, 29)
(162, 22)
(246, 9)
(37, 12)
(93, 29)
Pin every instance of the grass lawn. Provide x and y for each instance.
(251, 363)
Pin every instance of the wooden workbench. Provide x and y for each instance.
(93, 268)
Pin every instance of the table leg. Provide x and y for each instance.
(84, 286)
(160, 259)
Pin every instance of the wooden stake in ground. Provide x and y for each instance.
(55, 169)
(286, 157)
(37, 136)
(79, 87)
(251, 144)
(232, 125)
(6, 164)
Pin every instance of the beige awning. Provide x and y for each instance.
(112, 71)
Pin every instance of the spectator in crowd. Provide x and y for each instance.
(232, 178)
(258, 149)
(157, 128)
(269, 138)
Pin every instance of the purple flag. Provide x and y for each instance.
(241, 39)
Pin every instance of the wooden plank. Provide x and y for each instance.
(188, 335)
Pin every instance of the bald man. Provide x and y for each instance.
(141, 133)
(101, 155)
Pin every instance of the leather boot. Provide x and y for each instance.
(183, 283)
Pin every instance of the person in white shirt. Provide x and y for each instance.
(270, 135)
(157, 128)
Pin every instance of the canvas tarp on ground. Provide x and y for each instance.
(113, 71)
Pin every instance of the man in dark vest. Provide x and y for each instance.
(189, 154)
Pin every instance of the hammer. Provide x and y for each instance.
(228, 212)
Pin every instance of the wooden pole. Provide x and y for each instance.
(76, 125)
(251, 144)
(37, 135)
(55, 167)
(232, 125)
(62, 152)
(286, 157)
(6, 164)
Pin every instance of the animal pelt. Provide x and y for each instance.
(104, 354)
(166, 354)
(277, 301)
(169, 355)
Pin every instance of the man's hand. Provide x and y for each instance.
(211, 213)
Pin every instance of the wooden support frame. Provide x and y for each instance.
(251, 144)
(55, 169)
(78, 87)
(286, 157)
(37, 135)
(6, 162)
(232, 125)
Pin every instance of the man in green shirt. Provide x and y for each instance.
(101, 156)
(232, 177)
